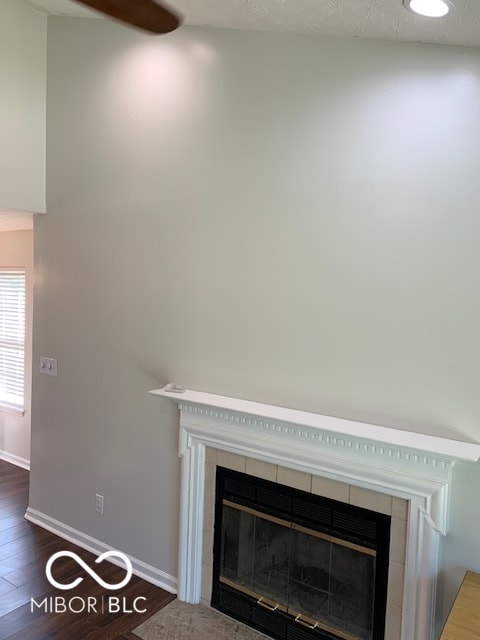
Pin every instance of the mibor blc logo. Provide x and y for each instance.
(89, 604)
(69, 554)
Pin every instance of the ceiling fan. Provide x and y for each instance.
(144, 14)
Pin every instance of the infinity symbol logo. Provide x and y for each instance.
(108, 554)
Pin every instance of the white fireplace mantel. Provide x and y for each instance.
(408, 465)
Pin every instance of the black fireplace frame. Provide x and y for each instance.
(353, 524)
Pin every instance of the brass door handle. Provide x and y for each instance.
(304, 623)
(267, 605)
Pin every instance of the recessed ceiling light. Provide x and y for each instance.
(429, 8)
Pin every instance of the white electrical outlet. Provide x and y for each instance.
(99, 500)
(48, 365)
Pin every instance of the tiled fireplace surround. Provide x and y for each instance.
(398, 473)
(392, 506)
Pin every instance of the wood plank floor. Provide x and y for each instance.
(24, 551)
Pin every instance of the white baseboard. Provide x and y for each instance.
(16, 460)
(141, 569)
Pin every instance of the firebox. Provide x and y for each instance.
(298, 566)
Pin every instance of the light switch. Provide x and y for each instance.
(48, 365)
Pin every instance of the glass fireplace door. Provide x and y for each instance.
(320, 580)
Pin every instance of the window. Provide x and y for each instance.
(12, 337)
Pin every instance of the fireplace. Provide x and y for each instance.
(402, 474)
(298, 566)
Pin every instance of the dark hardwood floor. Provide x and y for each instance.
(24, 551)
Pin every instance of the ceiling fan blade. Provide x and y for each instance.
(144, 14)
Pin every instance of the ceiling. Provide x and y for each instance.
(385, 19)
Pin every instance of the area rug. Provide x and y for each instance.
(180, 621)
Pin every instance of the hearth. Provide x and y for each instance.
(298, 566)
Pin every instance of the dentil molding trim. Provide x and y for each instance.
(331, 430)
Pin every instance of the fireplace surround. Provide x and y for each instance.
(400, 471)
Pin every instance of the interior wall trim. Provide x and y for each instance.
(16, 460)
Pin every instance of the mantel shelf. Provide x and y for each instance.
(453, 449)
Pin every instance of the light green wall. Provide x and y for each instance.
(282, 218)
(23, 71)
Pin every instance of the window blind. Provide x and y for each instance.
(12, 337)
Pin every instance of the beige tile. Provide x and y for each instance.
(372, 500)
(211, 456)
(208, 511)
(207, 549)
(206, 584)
(393, 626)
(396, 574)
(293, 478)
(398, 541)
(330, 489)
(210, 480)
(261, 469)
(231, 461)
(400, 508)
